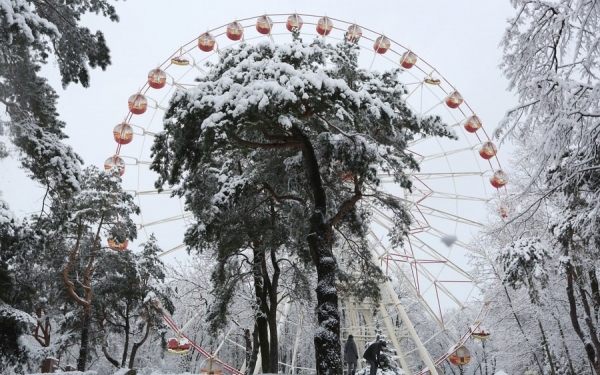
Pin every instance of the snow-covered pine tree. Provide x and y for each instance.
(284, 123)
(130, 298)
(101, 210)
(252, 243)
(30, 33)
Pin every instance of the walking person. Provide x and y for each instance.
(351, 355)
(372, 355)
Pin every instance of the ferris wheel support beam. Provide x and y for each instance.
(392, 336)
(283, 317)
(411, 329)
(296, 344)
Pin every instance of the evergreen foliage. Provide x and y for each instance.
(131, 298)
(31, 32)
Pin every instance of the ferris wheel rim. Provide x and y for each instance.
(419, 84)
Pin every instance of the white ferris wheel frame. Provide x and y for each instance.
(392, 260)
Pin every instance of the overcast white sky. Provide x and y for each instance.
(459, 38)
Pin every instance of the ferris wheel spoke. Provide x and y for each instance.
(176, 218)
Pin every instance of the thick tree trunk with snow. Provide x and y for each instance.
(273, 286)
(327, 337)
(262, 323)
(85, 335)
(137, 345)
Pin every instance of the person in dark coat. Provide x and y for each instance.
(351, 355)
(372, 355)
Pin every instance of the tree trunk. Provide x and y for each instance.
(254, 356)
(262, 324)
(85, 333)
(45, 328)
(547, 348)
(565, 345)
(274, 339)
(85, 301)
(327, 338)
(250, 361)
(525, 335)
(137, 345)
(127, 333)
(108, 357)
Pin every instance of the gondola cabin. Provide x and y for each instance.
(123, 133)
(116, 245)
(137, 104)
(408, 60)
(478, 331)
(454, 99)
(157, 78)
(499, 179)
(294, 22)
(211, 367)
(180, 61)
(206, 42)
(324, 26)
(461, 356)
(488, 150)
(382, 44)
(115, 164)
(354, 33)
(432, 81)
(472, 124)
(264, 24)
(235, 31)
(178, 345)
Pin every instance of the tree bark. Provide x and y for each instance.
(136, 345)
(86, 301)
(85, 334)
(262, 324)
(254, 355)
(44, 328)
(108, 357)
(273, 302)
(327, 337)
(127, 333)
(547, 348)
(249, 362)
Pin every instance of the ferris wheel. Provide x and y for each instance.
(451, 192)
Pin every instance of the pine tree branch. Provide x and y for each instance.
(65, 273)
(266, 146)
(349, 136)
(137, 345)
(348, 204)
(281, 197)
